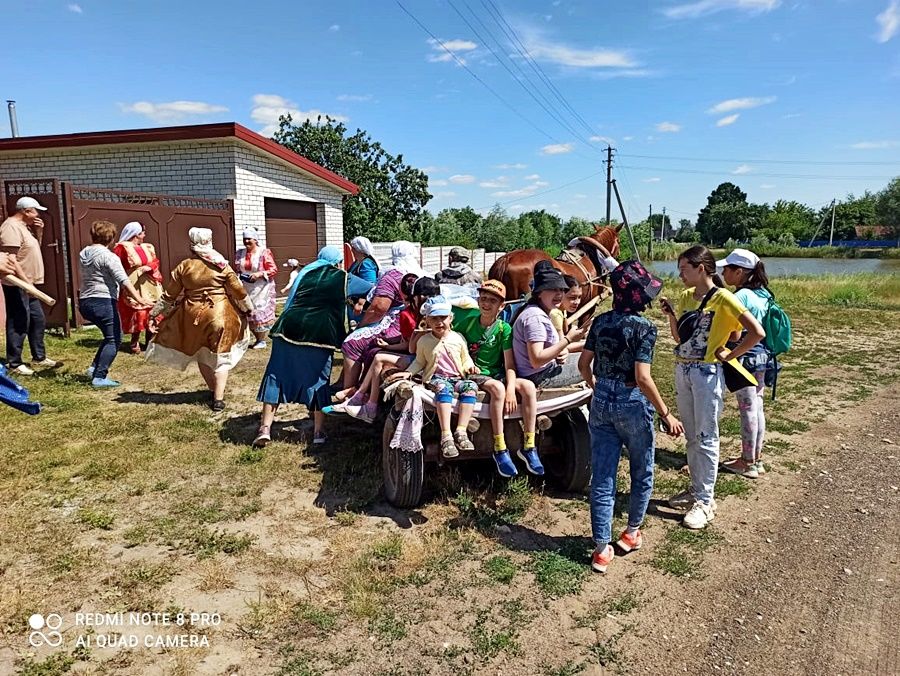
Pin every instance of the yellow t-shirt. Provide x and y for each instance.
(719, 321)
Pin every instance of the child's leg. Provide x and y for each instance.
(498, 393)
(382, 360)
(528, 397)
(761, 415)
(467, 390)
(748, 403)
(443, 398)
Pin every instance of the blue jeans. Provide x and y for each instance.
(619, 415)
(24, 319)
(103, 313)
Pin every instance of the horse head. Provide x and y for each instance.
(607, 237)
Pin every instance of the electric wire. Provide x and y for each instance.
(761, 161)
(761, 174)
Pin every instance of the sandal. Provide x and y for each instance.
(263, 436)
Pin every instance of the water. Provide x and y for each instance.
(786, 267)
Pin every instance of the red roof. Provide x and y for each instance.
(185, 133)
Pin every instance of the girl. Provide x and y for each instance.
(442, 356)
(703, 318)
(293, 265)
(256, 268)
(570, 304)
(746, 272)
(540, 354)
(616, 362)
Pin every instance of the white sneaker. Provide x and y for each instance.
(23, 370)
(89, 372)
(699, 516)
(47, 362)
(259, 345)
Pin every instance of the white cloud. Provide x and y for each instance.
(653, 179)
(171, 110)
(533, 177)
(557, 148)
(742, 169)
(499, 182)
(790, 116)
(441, 50)
(462, 179)
(446, 193)
(267, 108)
(889, 20)
(433, 169)
(627, 138)
(875, 145)
(522, 192)
(692, 10)
(740, 104)
(670, 127)
(355, 97)
(579, 196)
(729, 119)
(517, 165)
(75, 7)
(602, 139)
(438, 182)
(767, 186)
(573, 57)
(334, 28)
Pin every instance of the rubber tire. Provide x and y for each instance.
(570, 469)
(403, 472)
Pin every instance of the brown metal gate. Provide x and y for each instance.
(47, 192)
(166, 220)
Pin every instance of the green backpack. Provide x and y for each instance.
(776, 324)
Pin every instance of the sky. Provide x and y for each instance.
(500, 102)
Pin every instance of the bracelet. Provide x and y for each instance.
(566, 338)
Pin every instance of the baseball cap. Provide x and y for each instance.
(29, 203)
(438, 306)
(290, 263)
(495, 287)
(741, 258)
(459, 252)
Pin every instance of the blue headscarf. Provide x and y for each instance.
(328, 255)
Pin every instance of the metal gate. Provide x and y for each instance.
(47, 192)
(166, 220)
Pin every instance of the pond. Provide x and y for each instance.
(786, 267)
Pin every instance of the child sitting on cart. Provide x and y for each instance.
(490, 344)
(442, 357)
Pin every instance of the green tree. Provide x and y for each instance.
(540, 229)
(686, 232)
(887, 208)
(392, 194)
(788, 217)
(734, 203)
(449, 227)
(497, 232)
(848, 214)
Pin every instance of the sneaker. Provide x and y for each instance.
(218, 405)
(22, 370)
(462, 441)
(364, 412)
(601, 559)
(699, 516)
(682, 500)
(105, 382)
(760, 467)
(263, 437)
(628, 542)
(741, 467)
(505, 466)
(448, 448)
(334, 409)
(319, 438)
(48, 363)
(259, 345)
(532, 461)
(89, 372)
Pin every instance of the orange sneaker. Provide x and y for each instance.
(601, 559)
(630, 541)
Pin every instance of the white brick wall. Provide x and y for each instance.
(215, 169)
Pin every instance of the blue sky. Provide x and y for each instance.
(794, 99)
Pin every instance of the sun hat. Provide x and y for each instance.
(438, 306)
(29, 203)
(741, 258)
(548, 278)
(633, 287)
(495, 287)
(290, 263)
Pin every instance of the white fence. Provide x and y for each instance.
(434, 258)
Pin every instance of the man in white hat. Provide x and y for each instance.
(20, 235)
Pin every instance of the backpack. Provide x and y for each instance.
(777, 326)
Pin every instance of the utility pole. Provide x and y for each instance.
(662, 226)
(608, 181)
(831, 236)
(650, 239)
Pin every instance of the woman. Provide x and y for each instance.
(257, 269)
(142, 266)
(102, 280)
(209, 325)
(701, 322)
(304, 339)
(365, 265)
(747, 273)
(387, 294)
(615, 363)
(541, 356)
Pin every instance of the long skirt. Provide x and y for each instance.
(363, 339)
(297, 374)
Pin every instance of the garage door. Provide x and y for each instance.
(291, 232)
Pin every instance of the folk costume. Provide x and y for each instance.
(261, 291)
(134, 257)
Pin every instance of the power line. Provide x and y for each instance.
(760, 161)
(762, 175)
(543, 192)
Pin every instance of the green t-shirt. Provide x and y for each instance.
(486, 345)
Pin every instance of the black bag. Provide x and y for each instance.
(687, 323)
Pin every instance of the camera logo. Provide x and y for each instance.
(52, 637)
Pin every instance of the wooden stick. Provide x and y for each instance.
(30, 289)
(584, 308)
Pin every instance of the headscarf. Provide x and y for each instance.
(201, 244)
(364, 245)
(250, 233)
(130, 230)
(404, 258)
(328, 255)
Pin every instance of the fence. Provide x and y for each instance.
(855, 243)
(434, 258)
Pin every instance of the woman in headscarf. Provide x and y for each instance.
(388, 298)
(304, 339)
(209, 324)
(256, 268)
(142, 267)
(364, 263)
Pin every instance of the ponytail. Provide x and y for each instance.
(757, 278)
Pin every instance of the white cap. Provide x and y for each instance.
(741, 258)
(290, 263)
(29, 203)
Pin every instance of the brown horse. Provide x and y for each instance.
(582, 261)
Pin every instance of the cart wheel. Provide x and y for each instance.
(570, 469)
(403, 472)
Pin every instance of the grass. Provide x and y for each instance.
(557, 575)
(500, 569)
(95, 518)
(488, 642)
(680, 553)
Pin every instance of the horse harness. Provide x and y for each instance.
(573, 257)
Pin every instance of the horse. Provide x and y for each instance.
(581, 260)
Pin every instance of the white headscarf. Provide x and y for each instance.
(405, 258)
(130, 230)
(250, 233)
(364, 245)
(201, 244)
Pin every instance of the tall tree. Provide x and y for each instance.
(887, 208)
(711, 230)
(392, 194)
